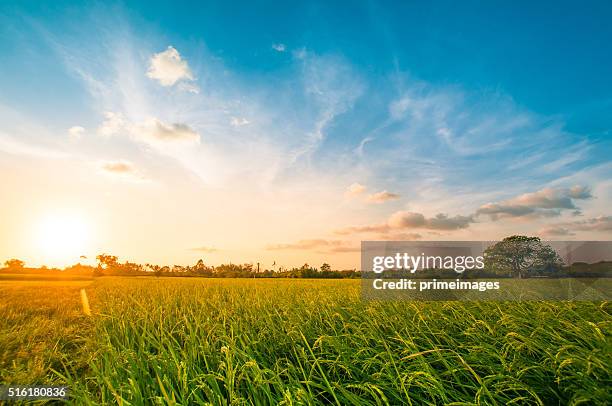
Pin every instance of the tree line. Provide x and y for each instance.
(109, 265)
(513, 257)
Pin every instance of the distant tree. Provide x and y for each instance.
(107, 261)
(326, 267)
(199, 266)
(521, 256)
(15, 264)
(78, 267)
(157, 270)
(130, 267)
(306, 271)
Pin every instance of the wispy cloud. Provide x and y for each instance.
(318, 244)
(601, 224)
(150, 130)
(399, 236)
(204, 249)
(332, 86)
(21, 135)
(155, 130)
(382, 197)
(122, 169)
(358, 190)
(555, 231)
(239, 121)
(113, 124)
(279, 47)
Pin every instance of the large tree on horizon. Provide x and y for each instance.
(520, 256)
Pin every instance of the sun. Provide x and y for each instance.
(63, 237)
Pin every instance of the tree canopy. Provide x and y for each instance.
(521, 256)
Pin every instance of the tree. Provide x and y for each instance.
(107, 261)
(521, 256)
(326, 267)
(15, 264)
(306, 271)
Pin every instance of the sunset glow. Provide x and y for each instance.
(62, 237)
(184, 142)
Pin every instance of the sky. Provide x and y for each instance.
(288, 133)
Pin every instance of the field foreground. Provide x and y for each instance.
(237, 341)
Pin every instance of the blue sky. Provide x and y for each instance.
(492, 119)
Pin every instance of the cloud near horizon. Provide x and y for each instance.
(409, 220)
(405, 220)
(547, 202)
(320, 244)
(204, 249)
(601, 224)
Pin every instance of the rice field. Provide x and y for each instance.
(258, 342)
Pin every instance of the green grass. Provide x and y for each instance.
(203, 341)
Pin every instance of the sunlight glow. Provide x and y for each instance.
(63, 237)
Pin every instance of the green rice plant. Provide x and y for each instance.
(259, 342)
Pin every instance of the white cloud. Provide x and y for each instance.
(355, 189)
(279, 47)
(168, 67)
(76, 132)
(113, 124)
